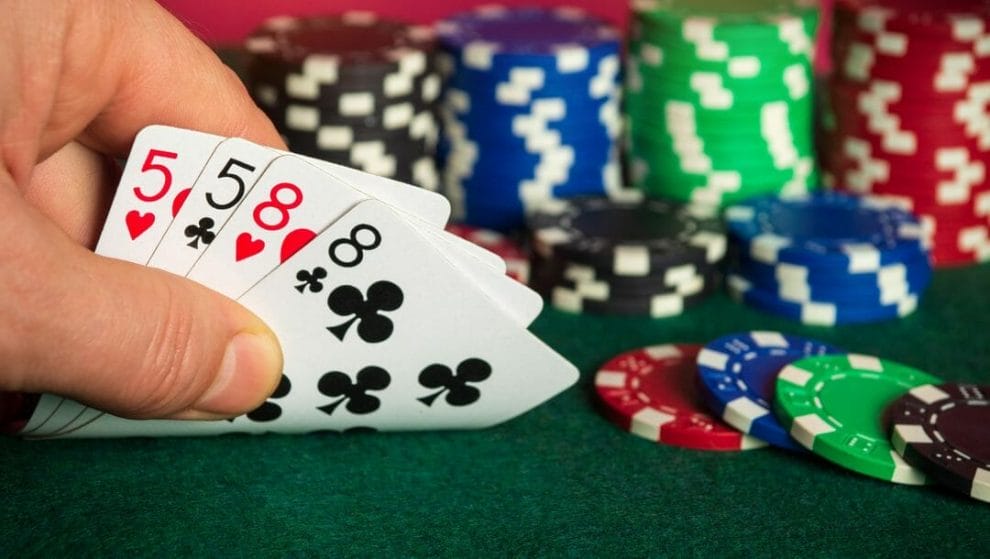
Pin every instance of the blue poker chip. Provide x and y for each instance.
(737, 375)
(531, 112)
(797, 283)
(819, 313)
(851, 232)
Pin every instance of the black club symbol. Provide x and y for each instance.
(201, 232)
(312, 281)
(372, 327)
(456, 385)
(338, 385)
(270, 411)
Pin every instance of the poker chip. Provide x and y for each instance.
(516, 262)
(719, 98)
(651, 392)
(352, 89)
(738, 372)
(944, 430)
(827, 258)
(530, 110)
(833, 405)
(817, 313)
(906, 115)
(650, 257)
(630, 238)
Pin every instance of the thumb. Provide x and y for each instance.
(131, 340)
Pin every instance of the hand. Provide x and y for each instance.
(80, 79)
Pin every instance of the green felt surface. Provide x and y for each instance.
(559, 480)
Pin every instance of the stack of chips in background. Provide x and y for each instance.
(352, 89)
(906, 114)
(720, 98)
(531, 110)
(648, 258)
(828, 258)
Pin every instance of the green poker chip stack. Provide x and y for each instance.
(719, 98)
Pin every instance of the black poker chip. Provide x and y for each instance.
(944, 430)
(679, 278)
(628, 238)
(352, 89)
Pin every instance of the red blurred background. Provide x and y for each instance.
(227, 22)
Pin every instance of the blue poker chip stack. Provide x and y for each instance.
(827, 259)
(530, 110)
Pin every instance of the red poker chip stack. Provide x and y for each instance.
(906, 115)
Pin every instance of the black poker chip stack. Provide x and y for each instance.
(351, 89)
(652, 258)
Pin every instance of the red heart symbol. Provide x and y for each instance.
(248, 246)
(138, 223)
(295, 241)
(179, 200)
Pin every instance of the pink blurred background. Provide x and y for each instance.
(227, 22)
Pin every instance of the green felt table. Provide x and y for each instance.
(559, 480)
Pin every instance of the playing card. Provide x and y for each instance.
(226, 179)
(162, 167)
(380, 331)
(521, 303)
(292, 202)
(485, 256)
(231, 173)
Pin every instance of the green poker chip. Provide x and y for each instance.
(719, 98)
(834, 406)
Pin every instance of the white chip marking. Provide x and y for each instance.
(795, 375)
(649, 422)
(981, 485)
(610, 379)
(865, 362)
(298, 117)
(334, 137)
(713, 359)
(356, 104)
(929, 393)
(904, 472)
(807, 428)
(742, 412)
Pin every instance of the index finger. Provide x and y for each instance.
(101, 70)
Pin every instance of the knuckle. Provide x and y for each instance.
(169, 378)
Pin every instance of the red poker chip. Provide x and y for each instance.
(930, 183)
(651, 392)
(938, 71)
(954, 246)
(516, 262)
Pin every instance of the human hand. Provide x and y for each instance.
(80, 79)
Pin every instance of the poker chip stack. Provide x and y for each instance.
(906, 114)
(828, 258)
(649, 258)
(351, 89)
(530, 110)
(719, 98)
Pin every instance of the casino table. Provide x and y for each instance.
(557, 481)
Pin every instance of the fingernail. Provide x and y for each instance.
(249, 372)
